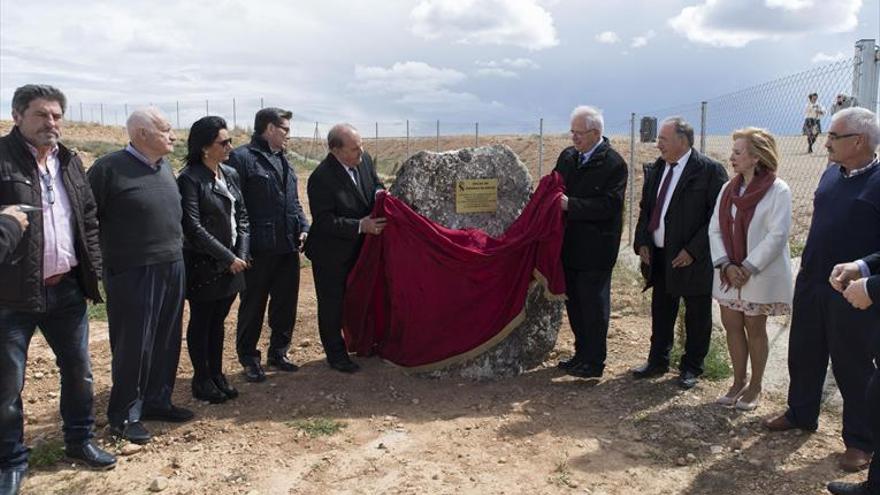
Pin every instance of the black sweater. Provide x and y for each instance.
(139, 211)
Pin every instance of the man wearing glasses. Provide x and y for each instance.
(278, 230)
(46, 278)
(595, 182)
(142, 245)
(845, 226)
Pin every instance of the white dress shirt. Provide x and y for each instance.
(676, 174)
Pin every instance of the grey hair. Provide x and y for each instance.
(592, 117)
(861, 121)
(24, 95)
(143, 118)
(681, 127)
(337, 132)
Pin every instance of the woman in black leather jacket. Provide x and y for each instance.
(215, 250)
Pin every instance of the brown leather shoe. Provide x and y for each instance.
(779, 423)
(854, 460)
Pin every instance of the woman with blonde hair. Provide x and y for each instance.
(748, 237)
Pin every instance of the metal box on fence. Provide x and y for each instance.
(648, 129)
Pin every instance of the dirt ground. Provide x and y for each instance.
(542, 432)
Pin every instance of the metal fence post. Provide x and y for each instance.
(438, 136)
(632, 176)
(177, 110)
(865, 74)
(540, 146)
(234, 116)
(125, 110)
(703, 107)
(376, 157)
(476, 134)
(102, 113)
(207, 111)
(407, 138)
(261, 103)
(81, 118)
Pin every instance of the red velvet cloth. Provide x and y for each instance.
(421, 294)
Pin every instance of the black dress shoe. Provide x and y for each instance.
(687, 380)
(133, 432)
(568, 364)
(585, 371)
(228, 390)
(91, 454)
(649, 370)
(344, 365)
(10, 481)
(843, 488)
(280, 362)
(254, 373)
(171, 414)
(207, 390)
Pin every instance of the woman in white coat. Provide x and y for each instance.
(748, 237)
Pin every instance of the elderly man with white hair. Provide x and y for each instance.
(141, 237)
(595, 182)
(845, 226)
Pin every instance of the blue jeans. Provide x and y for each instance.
(65, 326)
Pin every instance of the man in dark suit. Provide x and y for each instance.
(861, 293)
(341, 195)
(278, 228)
(672, 240)
(595, 182)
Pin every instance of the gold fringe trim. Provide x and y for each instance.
(539, 278)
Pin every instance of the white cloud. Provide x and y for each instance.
(640, 41)
(822, 57)
(405, 77)
(735, 23)
(521, 23)
(607, 37)
(512, 63)
(496, 72)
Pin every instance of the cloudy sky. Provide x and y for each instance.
(500, 62)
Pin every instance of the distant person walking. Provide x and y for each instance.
(748, 238)
(812, 120)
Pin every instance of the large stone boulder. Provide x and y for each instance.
(426, 182)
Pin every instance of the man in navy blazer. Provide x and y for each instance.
(672, 240)
(341, 191)
(595, 182)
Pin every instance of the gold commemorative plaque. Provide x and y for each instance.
(476, 196)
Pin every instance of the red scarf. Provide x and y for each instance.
(734, 230)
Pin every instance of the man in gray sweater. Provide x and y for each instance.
(141, 241)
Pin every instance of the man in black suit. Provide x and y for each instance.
(672, 240)
(595, 182)
(341, 193)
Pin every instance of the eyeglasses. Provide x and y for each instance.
(283, 128)
(582, 133)
(225, 142)
(834, 137)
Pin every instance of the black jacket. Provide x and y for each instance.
(207, 232)
(22, 273)
(10, 235)
(337, 207)
(594, 221)
(270, 193)
(686, 222)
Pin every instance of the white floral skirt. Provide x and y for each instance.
(756, 309)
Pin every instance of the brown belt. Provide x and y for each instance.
(55, 279)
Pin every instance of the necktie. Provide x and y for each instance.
(654, 223)
(354, 176)
(583, 159)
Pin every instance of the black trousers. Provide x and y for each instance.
(272, 279)
(330, 289)
(873, 397)
(144, 310)
(664, 312)
(589, 307)
(204, 336)
(824, 325)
